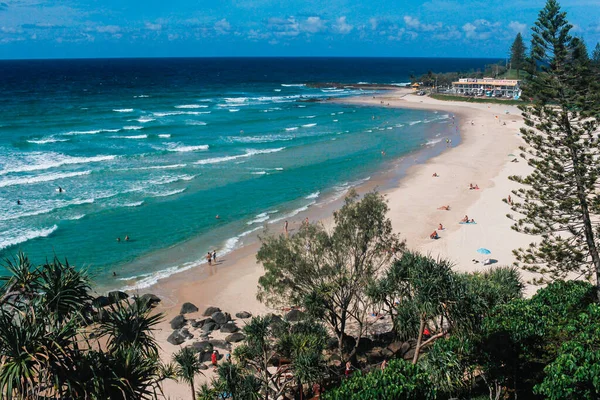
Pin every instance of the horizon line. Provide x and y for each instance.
(244, 57)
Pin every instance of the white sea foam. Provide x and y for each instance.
(28, 180)
(235, 99)
(259, 139)
(48, 140)
(308, 116)
(277, 90)
(93, 132)
(163, 180)
(195, 123)
(262, 217)
(143, 120)
(293, 213)
(432, 142)
(40, 161)
(259, 173)
(313, 195)
(414, 122)
(249, 153)
(134, 204)
(335, 120)
(191, 106)
(178, 147)
(123, 110)
(141, 96)
(293, 128)
(164, 135)
(293, 84)
(308, 125)
(20, 235)
(170, 193)
(234, 109)
(75, 217)
(171, 166)
(171, 113)
(138, 137)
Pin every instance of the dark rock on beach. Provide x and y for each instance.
(179, 336)
(229, 328)
(150, 299)
(117, 296)
(203, 346)
(101, 301)
(235, 337)
(209, 327)
(199, 323)
(243, 315)
(220, 343)
(220, 317)
(210, 311)
(187, 308)
(178, 322)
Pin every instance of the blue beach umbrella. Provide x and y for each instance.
(483, 251)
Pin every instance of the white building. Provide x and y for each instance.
(508, 88)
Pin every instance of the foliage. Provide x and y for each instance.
(451, 366)
(517, 54)
(328, 271)
(399, 380)
(559, 201)
(575, 372)
(521, 337)
(187, 366)
(596, 55)
(46, 350)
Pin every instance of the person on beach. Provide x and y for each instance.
(306, 223)
(213, 359)
(285, 228)
(348, 370)
(440, 227)
(434, 235)
(214, 256)
(465, 219)
(472, 221)
(509, 200)
(209, 258)
(445, 208)
(384, 365)
(435, 175)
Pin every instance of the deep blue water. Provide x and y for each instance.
(156, 148)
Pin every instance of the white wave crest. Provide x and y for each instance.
(313, 195)
(164, 135)
(293, 84)
(171, 113)
(41, 161)
(132, 128)
(40, 178)
(178, 147)
(170, 193)
(293, 128)
(20, 235)
(138, 137)
(195, 123)
(93, 132)
(49, 140)
(249, 153)
(308, 125)
(143, 120)
(134, 204)
(191, 106)
(123, 110)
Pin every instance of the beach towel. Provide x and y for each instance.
(468, 223)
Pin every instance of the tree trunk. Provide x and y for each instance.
(193, 390)
(585, 211)
(419, 339)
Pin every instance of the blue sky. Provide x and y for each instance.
(162, 28)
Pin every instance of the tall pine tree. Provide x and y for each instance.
(517, 54)
(596, 55)
(560, 200)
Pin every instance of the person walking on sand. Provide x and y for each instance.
(285, 228)
(214, 256)
(213, 359)
(509, 200)
(209, 258)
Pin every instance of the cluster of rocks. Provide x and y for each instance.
(96, 311)
(213, 319)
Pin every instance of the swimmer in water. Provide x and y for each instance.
(60, 190)
(217, 217)
(18, 202)
(127, 238)
(118, 239)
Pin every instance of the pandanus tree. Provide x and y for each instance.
(46, 347)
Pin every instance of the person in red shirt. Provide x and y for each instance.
(213, 358)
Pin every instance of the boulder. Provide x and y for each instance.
(199, 323)
(220, 317)
(365, 344)
(235, 337)
(150, 300)
(220, 343)
(187, 308)
(117, 296)
(178, 322)
(229, 328)
(209, 327)
(203, 367)
(374, 356)
(386, 353)
(179, 336)
(202, 347)
(294, 316)
(243, 315)
(204, 357)
(101, 301)
(396, 347)
(275, 319)
(210, 311)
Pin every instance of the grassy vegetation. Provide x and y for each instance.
(448, 97)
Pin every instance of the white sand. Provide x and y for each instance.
(481, 158)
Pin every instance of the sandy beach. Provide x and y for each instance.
(489, 142)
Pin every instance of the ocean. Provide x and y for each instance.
(156, 149)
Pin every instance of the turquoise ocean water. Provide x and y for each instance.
(156, 149)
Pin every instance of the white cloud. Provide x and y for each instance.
(153, 27)
(416, 25)
(341, 26)
(480, 29)
(107, 29)
(222, 27)
(517, 26)
(313, 25)
(373, 23)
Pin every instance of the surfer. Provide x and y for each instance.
(127, 238)
(60, 190)
(18, 202)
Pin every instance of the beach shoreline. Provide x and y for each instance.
(489, 133)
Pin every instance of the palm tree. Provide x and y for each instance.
(187, 366)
